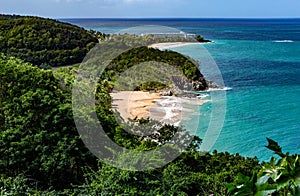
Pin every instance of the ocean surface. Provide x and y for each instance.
(260, 62)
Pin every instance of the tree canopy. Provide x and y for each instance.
(38, 138)
(41, 152)
(44, 42)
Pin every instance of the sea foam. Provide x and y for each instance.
(283, 41)
(219, 89)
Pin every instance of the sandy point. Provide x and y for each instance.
(168, 45)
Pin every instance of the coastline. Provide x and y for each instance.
(141, 104)
(168, 45)
(155, 106)
(173, 110)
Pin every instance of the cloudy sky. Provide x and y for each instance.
(153, 8)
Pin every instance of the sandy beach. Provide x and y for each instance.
(139, 104)
(133, 104)
(167, 45)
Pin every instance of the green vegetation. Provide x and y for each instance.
(44, 42)
(199, 38)
(148, 39)
(187, 67)
(41, 152)
(38, 136)
(277, 177)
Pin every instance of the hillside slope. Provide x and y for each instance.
(44, 42)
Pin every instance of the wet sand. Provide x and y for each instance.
(139, 104)
(167, 45)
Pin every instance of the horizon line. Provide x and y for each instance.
(152, 18)
(176, 18)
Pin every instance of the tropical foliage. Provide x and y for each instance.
(41, 152)
(40, 147)
(38, 137)
(139, 56)
(44, 42)
(276, 177)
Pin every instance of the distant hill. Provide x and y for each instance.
(44, 42)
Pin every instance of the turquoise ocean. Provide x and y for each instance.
(260, 62)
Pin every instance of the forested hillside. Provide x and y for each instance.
(41, 149)
(44, 42)
(187, 67)
(41, 152)
(38, 138)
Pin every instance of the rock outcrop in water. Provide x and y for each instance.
(183, 86)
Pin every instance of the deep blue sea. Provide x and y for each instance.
(260, 60)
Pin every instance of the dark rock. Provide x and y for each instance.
(211, 84)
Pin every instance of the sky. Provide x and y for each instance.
(153, 8)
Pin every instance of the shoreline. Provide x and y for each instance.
(168, 45)
(172, 109)
(142, 104)
(155, 106)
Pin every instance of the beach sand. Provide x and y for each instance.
(166, 109)
(167, 45)
(133, 104)
(139, 104)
